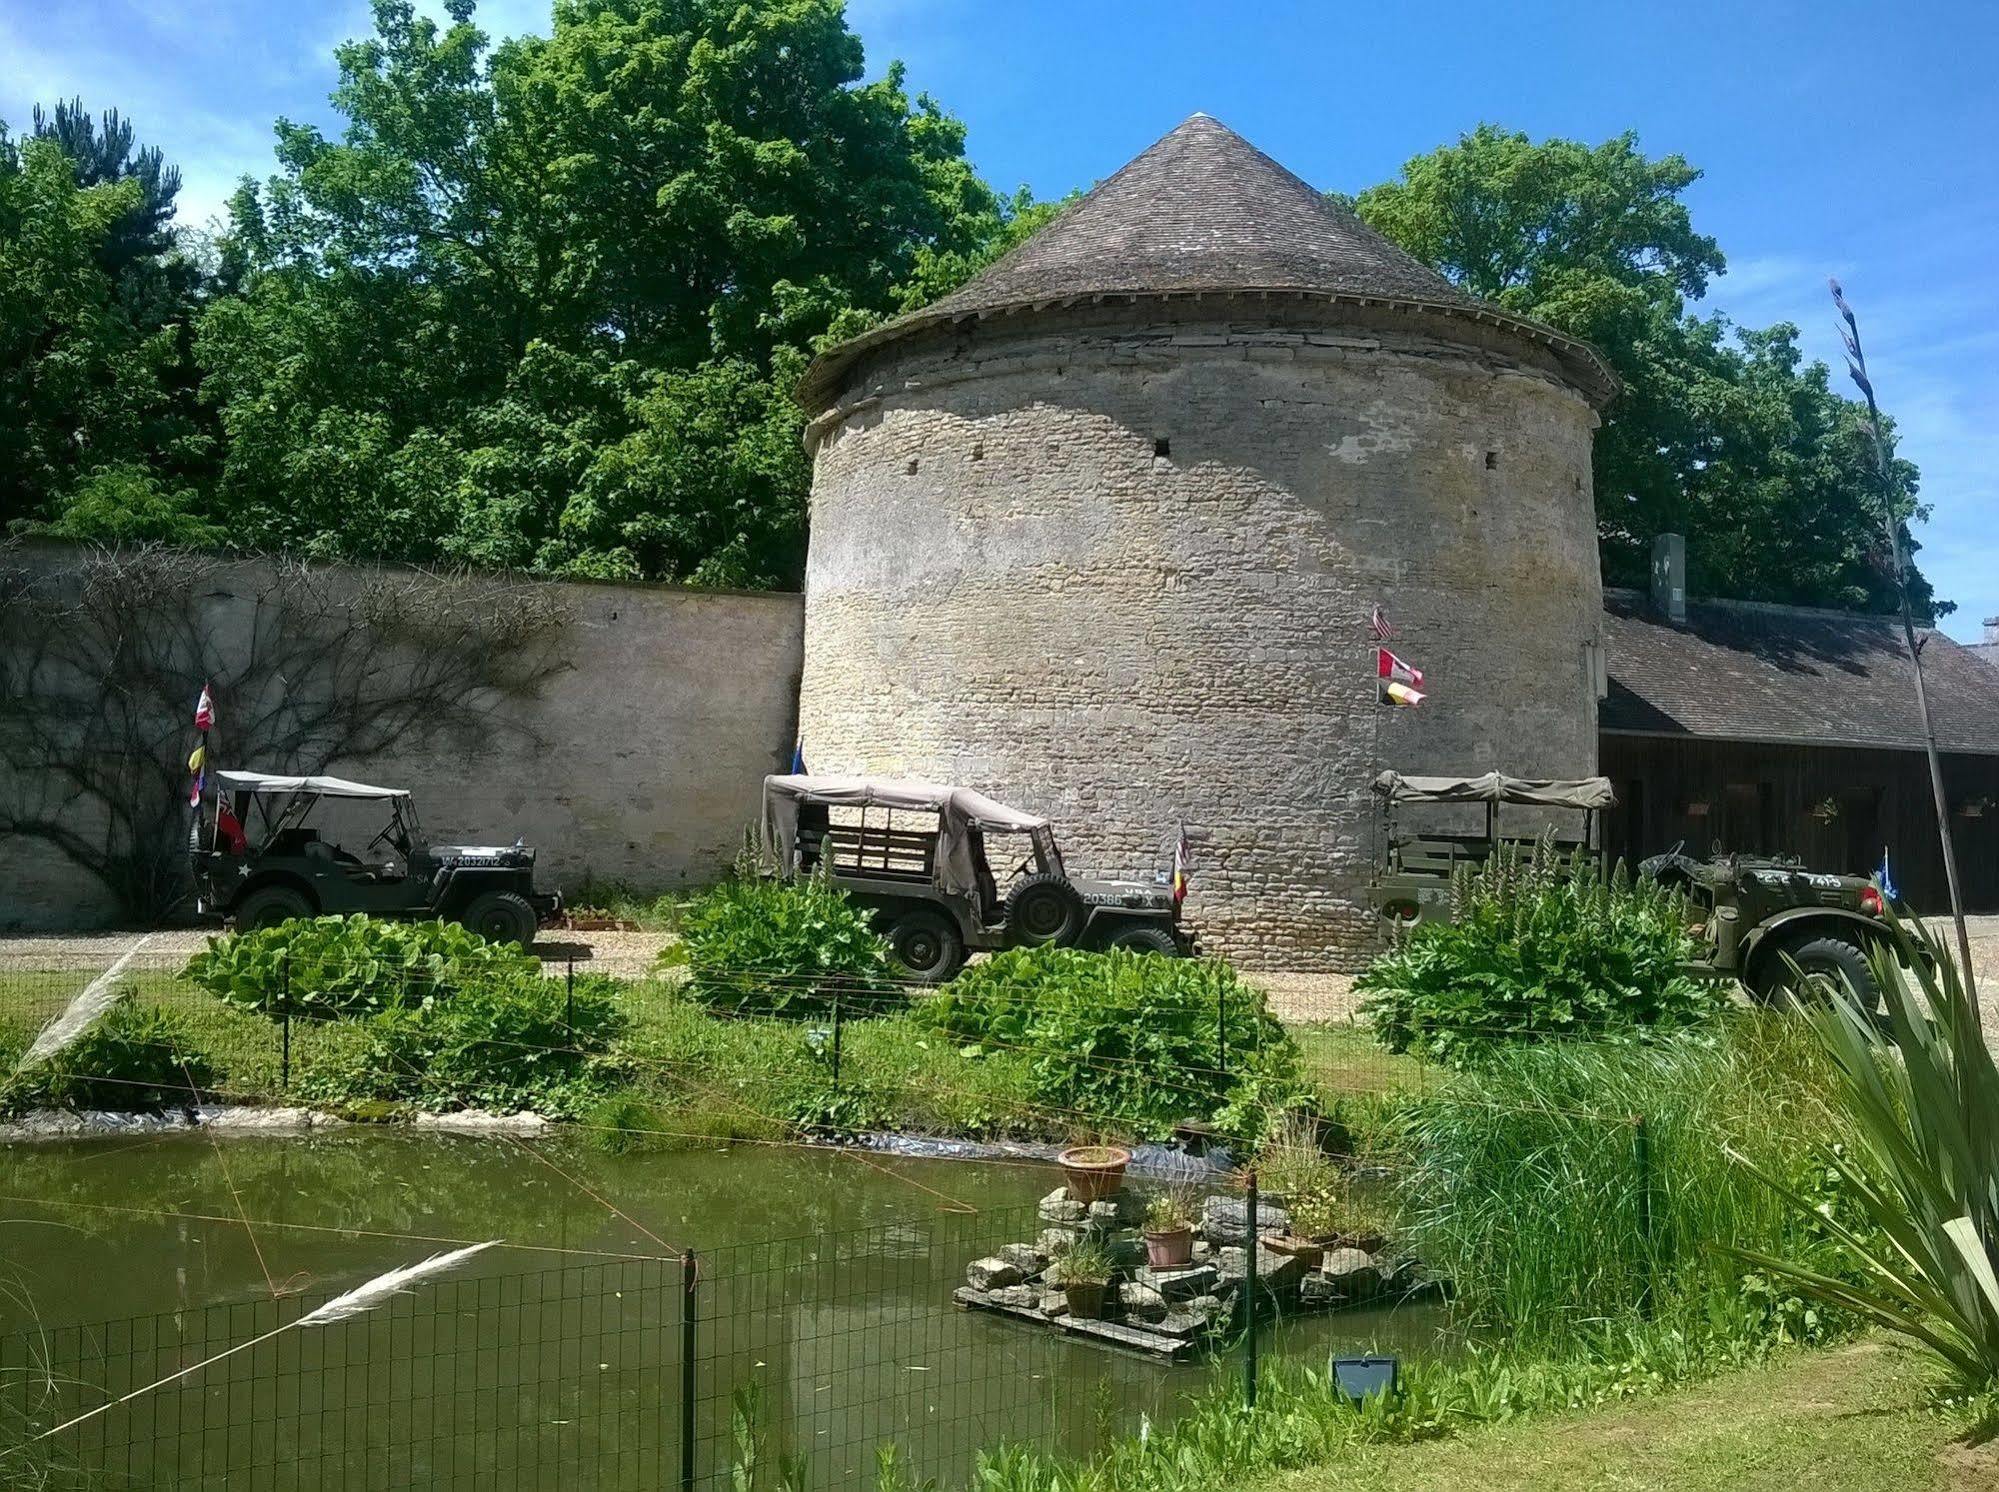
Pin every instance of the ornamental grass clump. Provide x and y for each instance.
(1539, 946)
(1922, 1112)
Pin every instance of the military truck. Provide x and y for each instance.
(258, 861)
(1413, 866)
(949, 872)
(1755, 917)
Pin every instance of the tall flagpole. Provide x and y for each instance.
(1891, 518)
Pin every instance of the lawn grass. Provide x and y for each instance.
(1857, 1418)
(1344, 1060)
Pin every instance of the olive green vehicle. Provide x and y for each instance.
(1756, 917)
(1767, 922)
(1425, 830)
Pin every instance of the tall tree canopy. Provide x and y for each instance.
(541, 305)
(1724, 434)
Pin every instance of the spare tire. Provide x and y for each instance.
(1043, 909)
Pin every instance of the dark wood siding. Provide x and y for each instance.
(1836, 807)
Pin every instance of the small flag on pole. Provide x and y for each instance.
(1887, 878)
(1377, 625)
(204, 711)
(1395, 693)
(1183, 867)
(1388, 666)
(798, 758)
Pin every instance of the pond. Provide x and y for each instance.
(822, 1284)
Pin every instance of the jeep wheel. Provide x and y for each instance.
(927, 946)
(1144, 939)
(1829, 964)
(1043, 909)
(267, 906)
(502, 917)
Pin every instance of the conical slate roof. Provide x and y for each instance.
(1203, 213)
(1201, 210)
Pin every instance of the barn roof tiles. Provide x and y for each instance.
(1739, 670)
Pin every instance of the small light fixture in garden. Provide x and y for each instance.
(1362, 1378)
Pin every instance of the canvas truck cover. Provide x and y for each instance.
(1495, 787)
(958, 809)
(327, 787)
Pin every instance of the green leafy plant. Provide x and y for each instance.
(1084, 1262)
(1290, 1162)
(518, 1042)
(1125, 1039)
(1923, 1114)
(1540, 946)
(136, 1058)
(329, 967)
(1171, 1210)
(755, 946)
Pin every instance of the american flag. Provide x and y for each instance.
(1377, 625)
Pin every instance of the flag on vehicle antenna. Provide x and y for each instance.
(1887, 878)
(798, 758)
(1183, 867)
(204, 711)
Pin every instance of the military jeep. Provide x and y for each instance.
(924, 857)
(1755, 917)
(1415, 863)
(289, 870)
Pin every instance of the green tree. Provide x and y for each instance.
(1723, 433)
(84, 385)
(540, 305)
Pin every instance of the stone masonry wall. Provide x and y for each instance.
(643, 759)
(1121, 574)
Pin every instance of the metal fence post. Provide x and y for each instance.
(1642, 1153)
(285, 1009)
(1221, 1024)
(569, 998)
(1249, 1289)
(689, 1276)
(836, 1041)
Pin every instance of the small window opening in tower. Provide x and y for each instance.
(1162, 448)
(978, 450)
(1492, 461)
(910, 470)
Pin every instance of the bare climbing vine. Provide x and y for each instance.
(102, 652)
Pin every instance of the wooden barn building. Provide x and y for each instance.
(1781, 729)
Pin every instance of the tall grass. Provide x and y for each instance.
(1572, 1185)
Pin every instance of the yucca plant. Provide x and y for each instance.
(1923, 1162)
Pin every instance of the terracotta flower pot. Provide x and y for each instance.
(1086, 1302)
(1169, 1250)
(1093, 1172)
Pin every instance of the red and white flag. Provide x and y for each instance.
(1388, 666)
(204, 711)
(1377, 625)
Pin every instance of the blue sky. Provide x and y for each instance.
(1849, 139)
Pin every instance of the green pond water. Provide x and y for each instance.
(822, 1284)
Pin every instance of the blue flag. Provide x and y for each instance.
(1887, 878)
(798, 758)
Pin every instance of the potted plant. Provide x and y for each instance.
(1169, 1230)
(1315, 1217)
(1083, 1274)
(1093, 1172)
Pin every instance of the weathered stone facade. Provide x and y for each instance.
(1116, 564)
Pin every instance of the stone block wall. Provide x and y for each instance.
(1121, 574)
(641, 759)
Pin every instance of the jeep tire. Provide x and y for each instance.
(1144, 938)
(1043, 909)
(502, 917)
(1829, 964)
(267, 906)
(927, 945)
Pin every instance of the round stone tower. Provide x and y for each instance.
(1101, 533)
